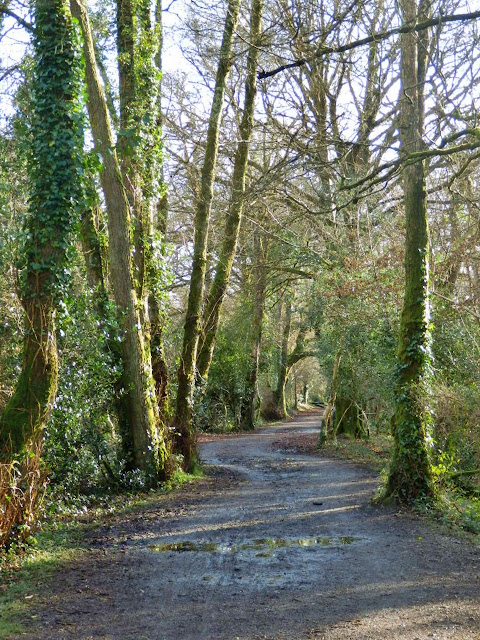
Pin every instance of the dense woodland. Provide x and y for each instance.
(214, 212)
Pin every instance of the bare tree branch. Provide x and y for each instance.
(4, 10)
(376, 37)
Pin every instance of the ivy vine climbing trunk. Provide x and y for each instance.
(184, 435)
(55, 176)
(139, 41)
(213, 304)
(129, 135)
(410, 475)
(150, 451)
(156, 254)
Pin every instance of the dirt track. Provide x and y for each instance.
(274, 545)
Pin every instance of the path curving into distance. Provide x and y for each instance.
(276, 546)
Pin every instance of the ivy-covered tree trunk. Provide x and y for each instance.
(131, 111)
(157, 312)
(150, 447)
(213, 306)
(29, 409)
(184, 435)
(139, 62)
(251, 401)
(156, 250)
(410, 474)
(55, 176)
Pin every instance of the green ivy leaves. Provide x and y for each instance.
(56, 155)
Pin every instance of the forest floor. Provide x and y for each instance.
(273, 544)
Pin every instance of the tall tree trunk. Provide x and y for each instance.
(150, 447)
(139, 62)
(280, 400)
(211, 315)
(157, 315)
(184, 431)
(128, 145)
(92, 252)
(348, 418)
(55, 170)
(328, 418)
(410, 475)
(159, 227)
(251, 401)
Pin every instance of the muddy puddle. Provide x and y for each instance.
(264, 546)
(270, 545)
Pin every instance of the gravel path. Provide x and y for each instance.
(273, 546)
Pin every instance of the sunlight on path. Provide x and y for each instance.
(282, 547)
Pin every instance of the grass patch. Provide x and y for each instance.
(374, 453)
(454, 510)
(27, 570)
(24, 572)
(464, 512)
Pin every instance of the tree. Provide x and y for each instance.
(146, 439)
(184, 436)
(139, 42)
(410, 474)
(251, 401)
(55, 172)
(214, 299)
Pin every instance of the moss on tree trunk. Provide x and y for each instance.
(150, 447)
(410, 475)
(184, 434)
(29, 409)
(279, 395)
(55, 169)
(348, 420)
(92, 252)
(250, 408)
(211, 315)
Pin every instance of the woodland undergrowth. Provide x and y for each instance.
(22, 488)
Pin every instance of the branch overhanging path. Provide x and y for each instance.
(376, 37)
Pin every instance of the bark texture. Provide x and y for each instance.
(410, 475)
(213, 306)
(94, 261)
(348, 418)
(279, 396)
(28, 410)
(251, 402)
(159, 225)
(184, 435)
(150, 447)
